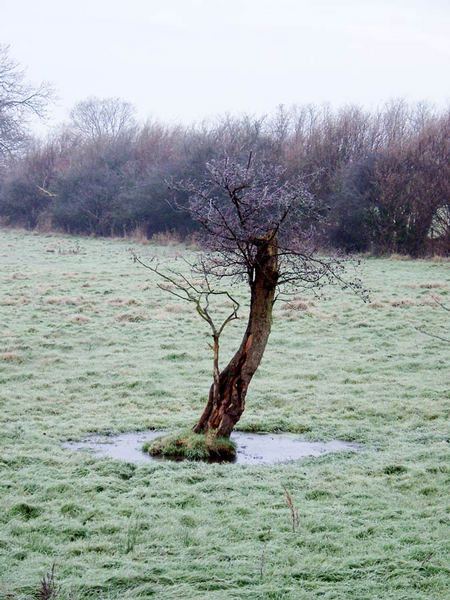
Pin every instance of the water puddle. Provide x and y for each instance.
(252, 448)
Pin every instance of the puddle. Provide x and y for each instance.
(252, 448)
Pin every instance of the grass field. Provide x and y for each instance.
(89, 344)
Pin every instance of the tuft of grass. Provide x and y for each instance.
(187, 445)
(11, 357)
(167, 238)
(25, 511)
(430, 285)
(63, 300)
(14, 301)
(124, 301)
(298, 303)
(394, 470)
(131, 317)
(376, 304)
(402, 257)
(178, 308)
(48, 590)
(402, 302)
(79, 319)
(440, 259)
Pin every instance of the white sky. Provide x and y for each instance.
(184, 60)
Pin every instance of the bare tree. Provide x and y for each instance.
(19, 101)
(200, 294)
(260, 228)
(413, 182)
(97, 118)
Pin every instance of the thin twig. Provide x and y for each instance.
(294, 512)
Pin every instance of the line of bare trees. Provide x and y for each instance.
(382, 179)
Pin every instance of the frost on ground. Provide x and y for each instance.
(371, 524)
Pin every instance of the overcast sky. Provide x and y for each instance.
(184, 60)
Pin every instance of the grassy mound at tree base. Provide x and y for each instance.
(187, 445)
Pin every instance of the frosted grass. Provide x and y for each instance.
(91, 346)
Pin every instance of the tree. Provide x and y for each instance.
(354, 208)
(413, 179)
(260, 228)
(19, 101)
(99, 118)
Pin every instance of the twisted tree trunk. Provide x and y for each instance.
(226, 400)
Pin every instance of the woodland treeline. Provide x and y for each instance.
(381, 178)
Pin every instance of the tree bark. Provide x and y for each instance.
(226, 400)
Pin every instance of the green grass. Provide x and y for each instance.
(90, 344)
(191, 446)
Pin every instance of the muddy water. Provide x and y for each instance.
(252, 448)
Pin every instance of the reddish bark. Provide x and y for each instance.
(226, 400)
